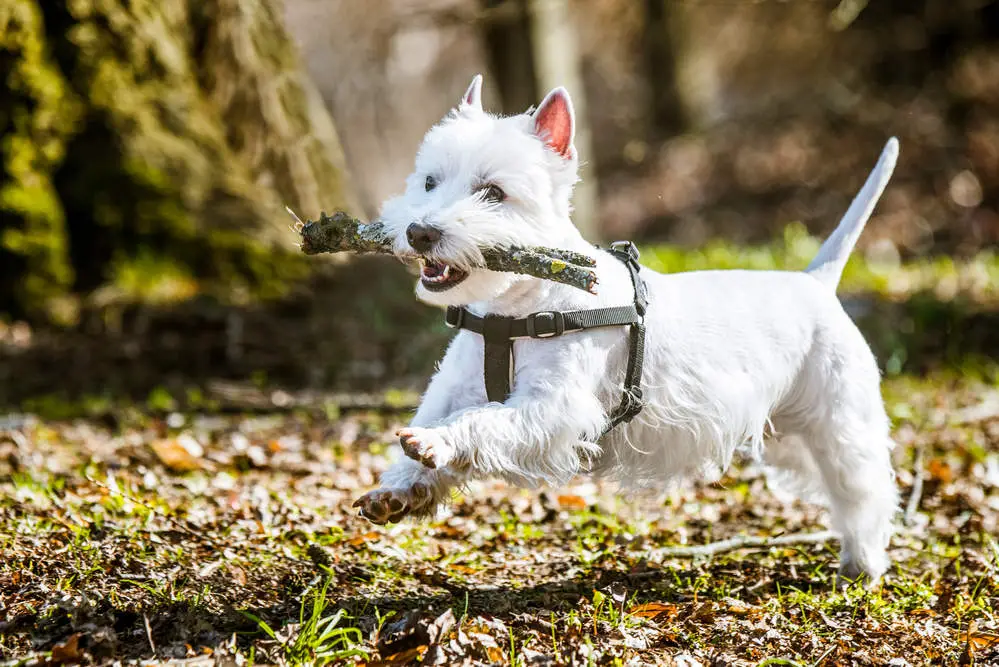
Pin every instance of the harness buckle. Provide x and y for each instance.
(454, 316)
(546, 324)
(627, 248)
(632, 404)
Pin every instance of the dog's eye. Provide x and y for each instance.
(430, 183)
(493, 193)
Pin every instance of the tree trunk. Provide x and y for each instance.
(166, 131)
(661, 67)
(511, 58)
(556, 59)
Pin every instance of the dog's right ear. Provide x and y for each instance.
(554, 122)
(472, 99)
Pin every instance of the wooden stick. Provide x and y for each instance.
(912, 507)
(742, 542)
(149, 633)
(341, 232)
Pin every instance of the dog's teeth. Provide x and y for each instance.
(447, 272)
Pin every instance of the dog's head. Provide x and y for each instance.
(484, 181)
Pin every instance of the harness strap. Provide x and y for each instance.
(499, 332)
(544, 324)
(498, 351)
(632, 400)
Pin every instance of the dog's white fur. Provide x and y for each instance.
(766, 361)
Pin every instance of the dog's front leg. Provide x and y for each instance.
(406, 487)
(540, 434)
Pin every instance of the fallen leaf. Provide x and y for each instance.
(209, 568)
(571, 503)
(406, 657)
(742, 609)
(982, 639)
(652, 610)
(68, 651)
(361, 539)
(922, 612)
(448, 531)
(181, 454)
(238, 574)
(441, 626)
(940, 471)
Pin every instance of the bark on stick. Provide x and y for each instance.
(341, 232)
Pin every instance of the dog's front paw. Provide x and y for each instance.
(426, 446)
(383, 506)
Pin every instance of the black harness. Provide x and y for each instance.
(499, 332)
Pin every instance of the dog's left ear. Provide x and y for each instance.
(472, 99)
(554, 122)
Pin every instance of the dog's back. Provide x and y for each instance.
(769, 361)
(731, 356)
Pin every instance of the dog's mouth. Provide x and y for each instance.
(438, 276)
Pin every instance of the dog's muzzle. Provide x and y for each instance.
(438, 276)
(422, 237)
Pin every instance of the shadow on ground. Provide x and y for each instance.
(105, 632)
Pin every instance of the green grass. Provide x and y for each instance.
(319, 638)
(943, 275)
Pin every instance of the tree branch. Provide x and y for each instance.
(742, 542)
(341, 232)
(916, 495)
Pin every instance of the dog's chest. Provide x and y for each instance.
(583, 360)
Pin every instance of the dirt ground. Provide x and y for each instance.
(228, 538)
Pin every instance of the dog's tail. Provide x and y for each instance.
(827, 267)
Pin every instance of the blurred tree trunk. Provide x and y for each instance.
(556, 57)
(166, 132)
(661, 67)
(507, 35)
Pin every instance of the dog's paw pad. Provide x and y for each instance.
(383, 506)
(426, 446)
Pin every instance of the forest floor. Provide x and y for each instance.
(229, 539)
(216, 528)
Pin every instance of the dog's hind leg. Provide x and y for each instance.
(791, 469)
(850, 476)
(855, 465)
(837, 409)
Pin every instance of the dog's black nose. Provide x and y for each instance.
(422, 237)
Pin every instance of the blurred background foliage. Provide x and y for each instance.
(149, 146)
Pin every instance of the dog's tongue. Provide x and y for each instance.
(433, 269)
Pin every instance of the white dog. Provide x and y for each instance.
(766, 361)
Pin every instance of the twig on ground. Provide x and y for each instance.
(916, 495)
(341, 232)
(743, 542)
(149, 633)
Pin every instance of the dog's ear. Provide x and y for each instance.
(554, 122)
(472, 99)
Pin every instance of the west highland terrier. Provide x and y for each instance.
(766, 362)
